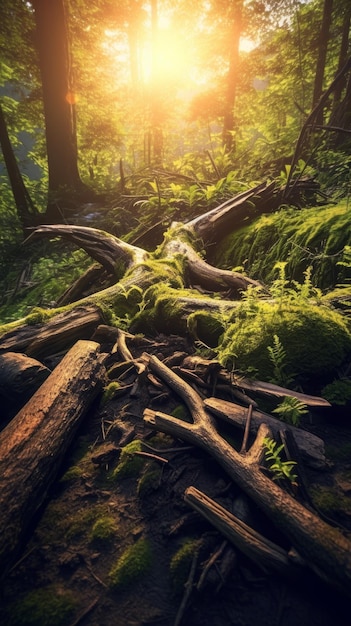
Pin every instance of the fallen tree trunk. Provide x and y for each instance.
(48, 337)
(323, 547)
(35, 442)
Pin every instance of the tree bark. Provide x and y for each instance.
(35, 442)
(47, 338)
(59, 99)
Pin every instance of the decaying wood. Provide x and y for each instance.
(324, 548)
(20, 374)
(54, 335)
(310, 446)
(35, 442)
(204, 367)
(103, 247)
(268, 555)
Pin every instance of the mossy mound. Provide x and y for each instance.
(316, 340)
(309, 237)
(132, 564)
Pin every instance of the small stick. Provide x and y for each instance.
(188, 589)
(247, 430)
(209, 564)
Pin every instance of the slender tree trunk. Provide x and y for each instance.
(26, 210)
(58, 95)
(156, 109)
(344, 46)
(322, 56)
(232, 81)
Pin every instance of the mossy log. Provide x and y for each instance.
(34, 443)
(324, 548)
(49, 332)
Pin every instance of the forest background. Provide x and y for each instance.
(158, 110)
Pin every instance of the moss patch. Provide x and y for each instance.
(129, 465)
(43, 607)
(181, 563)
(316, 340)
(132, 564)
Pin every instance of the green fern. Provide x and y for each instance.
(278, 358)
(291, 409)
(281, 470)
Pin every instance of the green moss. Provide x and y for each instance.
(205, 327)
(109, 392)
(75, 471)
(43, 607)
(104, 529)
(132, 564)
(37, 316)
(182, 413)
(149, 481)
(314, 236)
(129, 465)
(80, 523)
(329, 501)
(316, 340)
(181, 563)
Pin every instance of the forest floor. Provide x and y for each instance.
(92, 516)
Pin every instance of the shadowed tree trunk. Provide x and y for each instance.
(59, 100)
(26, 210)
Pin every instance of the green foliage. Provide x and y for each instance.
(281, 470)
(132, 564)
(338, 392)
(317, 339)
(290, 337)
(290, 410)
(48, 606)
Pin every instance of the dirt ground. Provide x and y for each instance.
(191, 576)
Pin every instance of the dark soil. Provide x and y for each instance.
(70, 559)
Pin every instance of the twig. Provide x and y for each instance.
(154, 457)
(247, 430)
(188, 589)
(209, 564)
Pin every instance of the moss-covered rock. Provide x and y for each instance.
(316, 340)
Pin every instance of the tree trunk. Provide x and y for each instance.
(59, 99)
(35, 442)
(26, 210)
(233, 75)
(322, 56)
